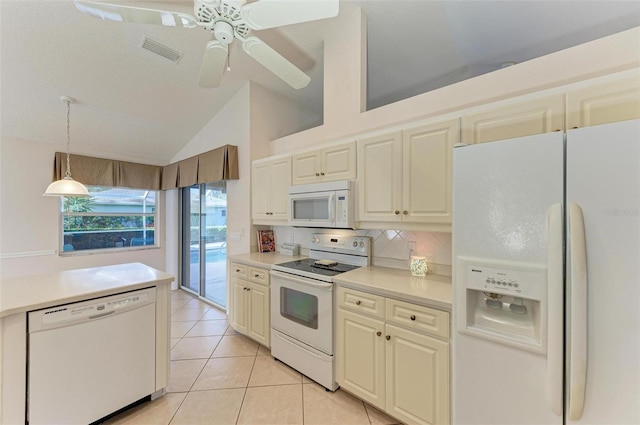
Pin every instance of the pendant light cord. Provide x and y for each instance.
(68, 173)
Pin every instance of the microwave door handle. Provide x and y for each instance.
(332, 207)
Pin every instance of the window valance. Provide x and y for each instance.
(108, 172)
(211, 166)
(215, 165)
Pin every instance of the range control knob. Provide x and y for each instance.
(361, 244)
(355, 244)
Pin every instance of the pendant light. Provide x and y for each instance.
(67, 186)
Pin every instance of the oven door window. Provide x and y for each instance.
(299, 307)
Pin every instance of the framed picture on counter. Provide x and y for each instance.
(266, 241)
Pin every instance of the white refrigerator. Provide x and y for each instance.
(546, 279)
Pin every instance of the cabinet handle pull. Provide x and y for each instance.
(321, 173)
(317, 174)
(358, 302)
(378, 333)
(413, 317)
(388, 337)
(397, 212)
(405, 212)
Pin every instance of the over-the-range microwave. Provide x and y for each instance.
(329, 205)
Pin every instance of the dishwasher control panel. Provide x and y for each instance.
(92, 309)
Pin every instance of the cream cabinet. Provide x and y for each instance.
(537, 116)
(270, 181)
(604, 103)
(249, 311)
(394, 355)
(405, 176)
(328, 164)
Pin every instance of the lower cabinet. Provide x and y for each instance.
(250, 302)
(395, 366)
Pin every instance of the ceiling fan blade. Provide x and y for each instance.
(275, 62)
(138, 15)
(213, 62)
(264, 14)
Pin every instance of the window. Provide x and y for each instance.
(110, 218)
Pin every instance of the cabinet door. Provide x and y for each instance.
(258, 321)
(426, 182)
(537, 116)
(380, 179)
(360, 357)
(279, 188)
(306, 167)
(339, 162)
(238, 310)
(260, 190)
(604, 103)
(417, 377)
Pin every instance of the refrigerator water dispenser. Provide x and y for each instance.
(504, 302)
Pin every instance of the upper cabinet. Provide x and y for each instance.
(604, 103)
(405, 176)
(536, 116)
(328, 164)
(270, 181)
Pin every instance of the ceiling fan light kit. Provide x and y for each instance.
(228, 20)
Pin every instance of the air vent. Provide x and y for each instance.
(160, 49)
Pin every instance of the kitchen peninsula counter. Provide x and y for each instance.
(26, 293)
(431, 290)
(20, 295)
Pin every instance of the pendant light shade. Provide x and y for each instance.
(67, 186)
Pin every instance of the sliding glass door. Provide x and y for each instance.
(204, 241)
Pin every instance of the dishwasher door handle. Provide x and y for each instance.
(97, 316)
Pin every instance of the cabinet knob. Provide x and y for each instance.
(256, 275)
(413, 317)
(237, 270)
(388, 337)
(321, 173)
(358, 302)
(405, 212)
(317, 174)
(397, 212)
(378, 333)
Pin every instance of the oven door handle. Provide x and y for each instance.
(301, 281)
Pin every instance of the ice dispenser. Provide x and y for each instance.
(504, 302)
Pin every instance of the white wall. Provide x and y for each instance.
(30, 222)
(250, 120)
(604, 56)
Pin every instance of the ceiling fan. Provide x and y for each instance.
(228, 19)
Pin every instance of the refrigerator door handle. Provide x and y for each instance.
(555, 285)
(577, 344)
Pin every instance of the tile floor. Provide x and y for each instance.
(221, 377)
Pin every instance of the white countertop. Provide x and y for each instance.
(264, 260)
(21, 294)
(431, 290)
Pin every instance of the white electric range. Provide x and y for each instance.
(302, 303)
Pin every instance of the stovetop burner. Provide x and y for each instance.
(310, 265)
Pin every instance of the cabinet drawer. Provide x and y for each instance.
(417, 317)
(361, 301)
(260, 276)
(238, 270)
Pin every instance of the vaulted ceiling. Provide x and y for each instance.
(135, 104)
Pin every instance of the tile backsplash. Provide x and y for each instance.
(391, 248)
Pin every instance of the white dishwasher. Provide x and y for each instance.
(89, 359)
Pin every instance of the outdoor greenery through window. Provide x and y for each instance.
(109, 218)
